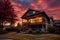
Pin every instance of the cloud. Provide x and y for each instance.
(53, 3)
(25, 1)
(51, 7)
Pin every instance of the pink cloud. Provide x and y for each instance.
(39, 5)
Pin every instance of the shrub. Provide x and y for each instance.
(51, 29)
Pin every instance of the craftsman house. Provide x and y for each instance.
(36, 20)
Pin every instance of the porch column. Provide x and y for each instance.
(46, 26)
(42, 29)
(43, 26)
(22, 22)
(51, 22)
(27, 21)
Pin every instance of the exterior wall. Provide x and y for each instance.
(44, 23)
(47, 24)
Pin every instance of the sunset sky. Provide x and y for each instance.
(51, 7)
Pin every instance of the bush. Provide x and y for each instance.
(51, 29)
(57, 29)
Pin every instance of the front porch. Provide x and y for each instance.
(35, 27)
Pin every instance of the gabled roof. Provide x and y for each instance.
(32, 12)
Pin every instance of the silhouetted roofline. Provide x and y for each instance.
(37, 13)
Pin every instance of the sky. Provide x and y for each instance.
(51, 7)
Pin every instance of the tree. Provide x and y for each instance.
(6, 11)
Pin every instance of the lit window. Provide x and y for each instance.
(38, 19)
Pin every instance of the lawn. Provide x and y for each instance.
(20, 36)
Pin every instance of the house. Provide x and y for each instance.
(36, 20)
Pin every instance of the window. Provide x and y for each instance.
(37, 19)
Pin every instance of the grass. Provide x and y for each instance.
(35, 37)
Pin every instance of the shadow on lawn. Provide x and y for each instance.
(42, 33)
(3, 33)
